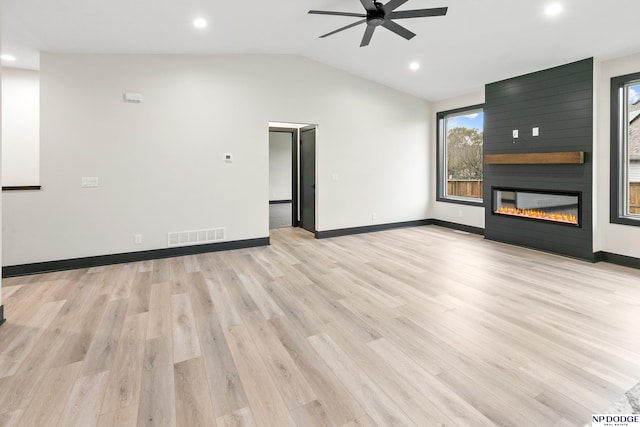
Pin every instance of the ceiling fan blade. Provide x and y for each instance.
(368, 33)
(368, 4)
(327, 12)
(393, 5)
(344, 28)
(398, 29)
(419, 13)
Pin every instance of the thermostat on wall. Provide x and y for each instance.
(228, 157)
(89, 181)
(132, 97)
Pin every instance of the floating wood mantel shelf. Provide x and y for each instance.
(558, 158)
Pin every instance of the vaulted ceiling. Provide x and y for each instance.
(477, 42)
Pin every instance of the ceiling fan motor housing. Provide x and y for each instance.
(376, 17)
(382, 15)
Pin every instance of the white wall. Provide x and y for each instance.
(20, 127)
(160, 163)
(613, 238)
(280, 174)
(452, 212)
(1, 230)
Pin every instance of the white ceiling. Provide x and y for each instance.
(477, 42)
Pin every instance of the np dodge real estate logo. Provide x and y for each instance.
(615, 420)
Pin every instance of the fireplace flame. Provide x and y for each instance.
(565, 217)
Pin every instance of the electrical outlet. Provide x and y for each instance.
(137, 239)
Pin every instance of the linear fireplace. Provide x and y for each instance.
(538, 205)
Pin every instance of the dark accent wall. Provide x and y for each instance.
(559, 101)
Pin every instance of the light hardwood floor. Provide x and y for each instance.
(414, 327)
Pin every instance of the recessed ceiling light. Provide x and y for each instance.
(7, 57)
(553, 9)
(414, 66)
(200, 23)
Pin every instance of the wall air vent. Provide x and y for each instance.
(195, 237)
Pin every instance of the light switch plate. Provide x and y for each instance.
(535, 131)
(515, 133)
(133, 97)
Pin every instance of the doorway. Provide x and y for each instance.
(292, 166)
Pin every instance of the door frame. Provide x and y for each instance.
(309, 127)
(295, 221)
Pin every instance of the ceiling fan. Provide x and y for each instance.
(379, 14)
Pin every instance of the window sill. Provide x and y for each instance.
(462, 201)
(626, 220)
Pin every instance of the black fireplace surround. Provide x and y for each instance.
(558, 103)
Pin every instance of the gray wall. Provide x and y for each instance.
(560, 102)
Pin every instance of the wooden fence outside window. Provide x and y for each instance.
(634, 197)
(464, 188)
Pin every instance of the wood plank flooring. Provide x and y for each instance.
(414, 327)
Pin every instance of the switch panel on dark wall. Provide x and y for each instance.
(558, 101)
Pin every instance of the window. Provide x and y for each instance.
(460, 155)
(625, 149)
